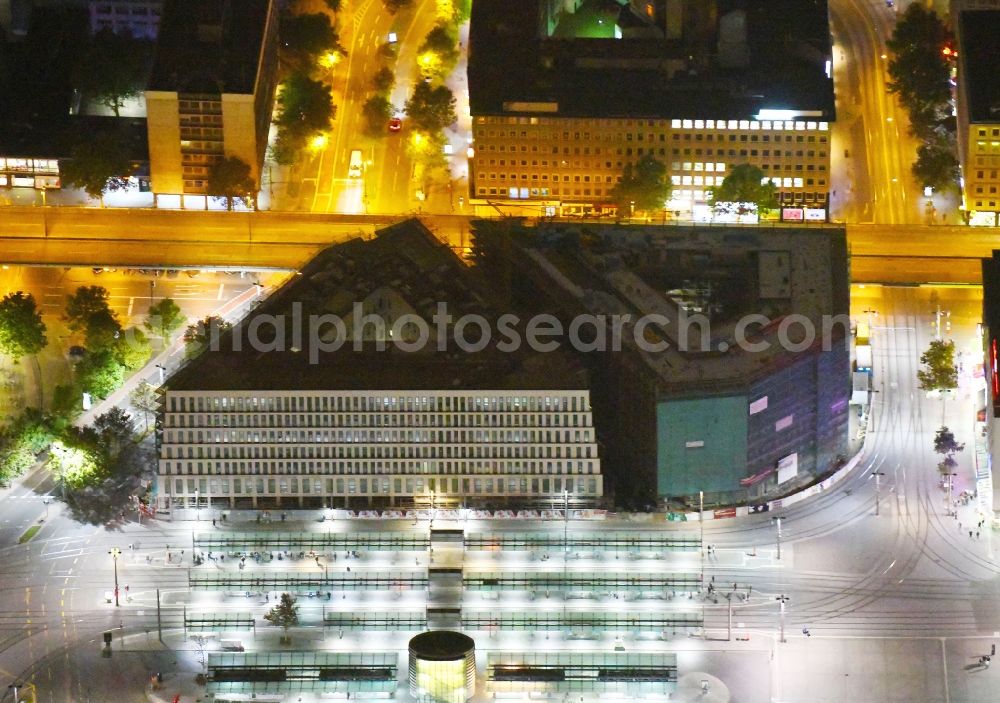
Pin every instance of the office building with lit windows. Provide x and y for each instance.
(978, 109)
(563, 95)
(211, 92)
(360, 426)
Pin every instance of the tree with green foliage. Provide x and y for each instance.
(376, 113)
(285, 614)
(204, 334)
(114, 69)
(75, 465)
(145, 399)
(98, 165)
(230, 180)
(438, 54)
(383, 80)
(100, 374)
(431, 108)
(22, 332)
(103, 330)
(164, 318)
(132, 349)
(936, 165)
(305, 108)
(939, 372)
(644, 186)
(304, 37)
(86, 301)
(945, 442)
(745, 183)
(66, 403)
(919, 71)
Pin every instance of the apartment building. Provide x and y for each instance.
(369, 423)
(211, 93)
(978, 108)
(558, 112)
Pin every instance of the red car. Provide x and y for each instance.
(395, 124)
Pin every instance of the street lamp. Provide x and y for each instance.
(14, 686)
(45, 502)
(152, 285)
(115, 553)
(951, 485)
(162, 369)
(782, 599)
(777, 522)
(877, 475)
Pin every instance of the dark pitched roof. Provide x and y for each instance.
(408, 259)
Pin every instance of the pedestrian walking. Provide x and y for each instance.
(977, 535)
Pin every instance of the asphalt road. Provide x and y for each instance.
(237, 241)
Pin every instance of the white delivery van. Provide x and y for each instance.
(354, 168)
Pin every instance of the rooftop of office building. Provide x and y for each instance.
(979, 51)
(209, 46)
(403, 271)
(719, 59)
(784, 276)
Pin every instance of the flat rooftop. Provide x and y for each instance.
(724, 274)
(209, 46)
(979, 51)
(515, 67)
(404, 270)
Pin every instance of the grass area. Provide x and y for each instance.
(31, 532)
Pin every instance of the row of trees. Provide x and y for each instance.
(310, 44)
(920, 69)
(645, 186)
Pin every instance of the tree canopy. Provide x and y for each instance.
(431, 108)
(285, 614)
(939, 372)
(22, 332)
(100, 374)
(113, 69)
(745, 184)
(394, 6)
(98, 165)
(103, 330)
(86, 301)
(383, 80)
(164, 318)
(438, 54)
(919, 71)
(376, 113)
(936, 165)
(305, 108)
(231, 179)
(132, 349)
(201, 334)
(305, 36)
(644, 186)
(945, 442)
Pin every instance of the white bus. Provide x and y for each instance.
(354, 168)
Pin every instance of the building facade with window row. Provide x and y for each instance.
(322, 448)
(563, 96)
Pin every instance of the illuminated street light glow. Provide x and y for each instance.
(330, 59)
(319, 142)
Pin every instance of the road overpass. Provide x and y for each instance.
(176, 239)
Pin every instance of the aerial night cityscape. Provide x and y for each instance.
(454, 351)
